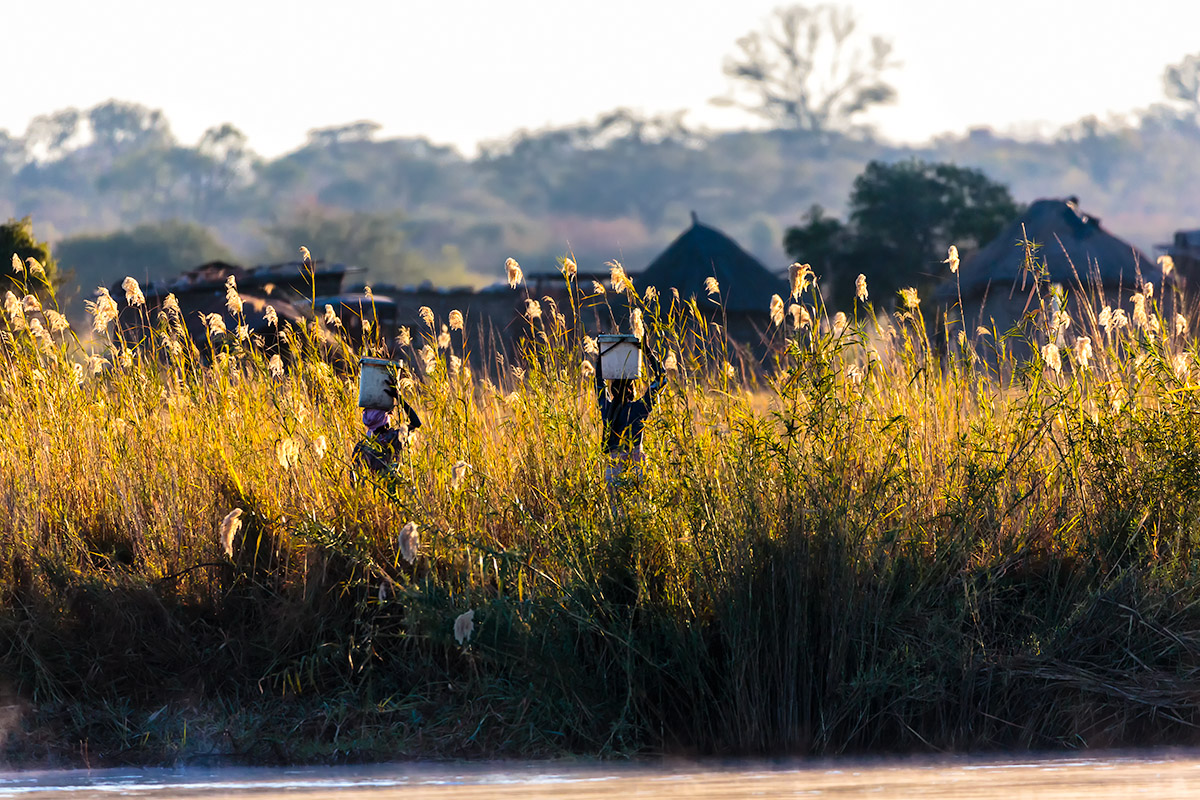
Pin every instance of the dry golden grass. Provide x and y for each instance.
(867, 539)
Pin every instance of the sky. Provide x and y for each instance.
(463, 71)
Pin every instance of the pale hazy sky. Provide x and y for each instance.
(461, 71)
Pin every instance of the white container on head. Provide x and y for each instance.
(620, 356)
(373, 377)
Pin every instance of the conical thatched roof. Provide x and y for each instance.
(1073, 246)
(702, 252)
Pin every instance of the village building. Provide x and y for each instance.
(1073, 252)
(745, 286)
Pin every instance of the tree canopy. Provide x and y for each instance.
(618, 186)
(17, 239)
(152, 251)
(903, 217)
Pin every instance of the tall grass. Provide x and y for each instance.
(866, 541)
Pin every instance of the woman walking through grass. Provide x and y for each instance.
(381, 448)
(624, 421)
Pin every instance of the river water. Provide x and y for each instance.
(1160, 776)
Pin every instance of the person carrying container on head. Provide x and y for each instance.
(383, 443)
(624, 419)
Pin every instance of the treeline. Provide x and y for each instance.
(115, 192)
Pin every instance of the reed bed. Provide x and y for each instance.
(869, 540)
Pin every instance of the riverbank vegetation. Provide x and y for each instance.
(866, 541)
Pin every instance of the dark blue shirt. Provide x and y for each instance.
(624, 422)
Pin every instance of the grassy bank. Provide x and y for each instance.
(868, 542)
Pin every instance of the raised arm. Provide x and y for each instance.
(659, 373)
(599, 378)
(414, 421)
(393, 391)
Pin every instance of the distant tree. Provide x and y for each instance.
(820, 241)
(1181, 82)
(118, 126)
(223, 162)
(16, 238)
(51, 136)
(148, 252)
(808, 70)
(361, 131)
(375, 242)
(903, 217)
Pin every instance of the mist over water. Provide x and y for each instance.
(1119, 775)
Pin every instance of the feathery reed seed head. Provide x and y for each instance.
(458, 474)
(1181, 364)
(429, 359)
(133, 292)
(1140, 319)
(216, 324)
(233, 300)
(426, 315)
(409, 541)
(617, 277)
(103, 310)
(464, 625)
(1051, 356)
(776, 309)
(839, 323)
(513, 270)
(331, 317)
(1083, 351)
(287, 452)
(229, 528)
(952, 259)
(58, 322)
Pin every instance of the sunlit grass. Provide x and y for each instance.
(867, 539)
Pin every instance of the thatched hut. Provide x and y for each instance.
(701, 253)
(1073, 250)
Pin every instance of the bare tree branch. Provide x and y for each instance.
(806, 69)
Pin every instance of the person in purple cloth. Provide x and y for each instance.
(379, 451)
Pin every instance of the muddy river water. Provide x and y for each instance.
(1093, 776)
